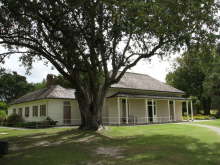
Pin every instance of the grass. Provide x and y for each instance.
(215, 123)
(168, 144)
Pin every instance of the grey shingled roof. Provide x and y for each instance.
(53, 92)
(144, 82)
(129, 81)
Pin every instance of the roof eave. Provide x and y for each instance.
(180, 92)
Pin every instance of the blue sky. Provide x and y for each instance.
(157, 68)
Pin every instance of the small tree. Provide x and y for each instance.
(90, 41)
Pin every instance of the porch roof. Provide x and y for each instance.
(132, 95)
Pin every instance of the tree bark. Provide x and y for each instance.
(90, 106)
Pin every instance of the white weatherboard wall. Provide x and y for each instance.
(111, 111)
(137, 110)
(162, 111)
(178, 110)
(30, 105)
(54, 110)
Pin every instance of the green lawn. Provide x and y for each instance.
(215, 123)
(168, 144)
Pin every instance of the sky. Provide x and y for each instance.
(156, 68)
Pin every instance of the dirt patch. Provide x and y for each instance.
(115, 152)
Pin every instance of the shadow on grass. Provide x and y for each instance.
(77, 147)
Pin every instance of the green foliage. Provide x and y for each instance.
(41, 124)
(200, 117)
(2, 114)
(212, 83)
(37, 86)
(3, 106)
(2, 117)
(3, 109)
(14, 120)
(190, 74)
(57, 80)
(12, 86)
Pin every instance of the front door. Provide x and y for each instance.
(150, 113)
(123, 111)
(171, 111)
(67, 113)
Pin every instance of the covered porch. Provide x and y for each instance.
(131, 109)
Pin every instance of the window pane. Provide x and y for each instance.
(20, 111)
(27, 111)
(35, 111)
(149, 102)
(43, 110)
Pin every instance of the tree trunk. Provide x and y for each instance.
(90, 107)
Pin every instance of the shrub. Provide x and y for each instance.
(199, 117)
(217, 115)
(2, 117)
(14, 120)
(40, 124)
(51, 121)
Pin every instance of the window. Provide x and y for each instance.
(171, 103)
(20, 111)
(14, 111)
(27, 111)
(35, 111)
(66, 103)
(43, 110)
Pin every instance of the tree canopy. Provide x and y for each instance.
(90, 41)
(191, 73)
(212, 82)
(12, 86)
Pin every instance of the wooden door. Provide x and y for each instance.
(67, 113)
(123, 120)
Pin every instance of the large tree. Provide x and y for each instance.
(90, 41)
(212, 82)
(191, 71)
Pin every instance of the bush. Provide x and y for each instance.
(217, 115)
(199, 117)
(51, 121)
(2, 117)
(14, 120)
(40, 124)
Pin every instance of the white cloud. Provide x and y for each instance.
(156, 68)
(38, 72)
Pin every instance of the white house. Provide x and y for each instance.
(136, 99)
